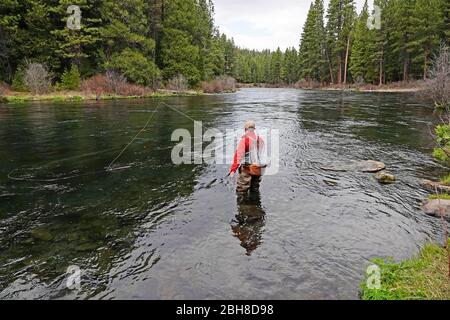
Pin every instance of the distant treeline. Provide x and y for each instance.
(150, 42)
(338, 46)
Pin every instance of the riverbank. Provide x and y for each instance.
(8, 96)
(18, 97)
(412, 86)
(424, 277)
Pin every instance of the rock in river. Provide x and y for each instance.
(370, 166)
(433, 186)
(435, 206)
(41, 234)
(385, 177)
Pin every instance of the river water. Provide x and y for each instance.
(151, 229)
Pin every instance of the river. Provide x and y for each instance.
(151, 229)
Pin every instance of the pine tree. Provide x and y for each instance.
(18, 81)
(378, 47)
(427, 21)
(402, 30)
(267, 58)
(125, 25)
(215, 58)
(10, 43)
(276, 67)
(360, 61)
(289, 69)
(312, 47)
(308, 46)
(70, 79)
(229, 54)
(74, 46)
(446, 11)
(179, 53)
(341, 16)
(206, 38)
(36, 24)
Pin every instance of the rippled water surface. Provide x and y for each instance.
(155, 230)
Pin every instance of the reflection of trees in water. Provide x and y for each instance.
(248, 225)
(389, 118)
(90, 221)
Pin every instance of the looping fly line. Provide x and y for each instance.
(109, 168)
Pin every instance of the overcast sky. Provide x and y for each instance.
(264, 24)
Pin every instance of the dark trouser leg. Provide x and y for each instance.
(243, 182)
(254, 184)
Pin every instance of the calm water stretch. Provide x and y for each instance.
(154, 230)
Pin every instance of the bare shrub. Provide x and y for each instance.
(178, 83)
(112, 83)
(207, 87)
(129, 89)
(305, 84)
(219, 85)
(359, 81)
(97, 85)
(37, 77)
(228, 83)
(213, 86)
(438, 87)
(115, 81)
(4, 88)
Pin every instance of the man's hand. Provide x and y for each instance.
(232, 174)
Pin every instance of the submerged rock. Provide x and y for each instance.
(330, 182)
(41, 234)
(436, 206)
(385, 177)
(86, 247)
(433, 186)
(369, 166)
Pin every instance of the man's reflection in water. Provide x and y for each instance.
(249, 223)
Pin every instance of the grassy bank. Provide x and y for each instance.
(442, 196)
(424, 277)
(16, 97)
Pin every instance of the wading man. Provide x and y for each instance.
(247, 160)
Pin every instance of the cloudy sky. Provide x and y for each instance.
(264, 24)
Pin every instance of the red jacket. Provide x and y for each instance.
(244, 147)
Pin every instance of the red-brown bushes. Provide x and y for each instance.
(4, 88)
(304, 84)
(112, 84)
(97, 85)
(219, 85)
(128, 89)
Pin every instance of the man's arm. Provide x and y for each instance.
(238, 155)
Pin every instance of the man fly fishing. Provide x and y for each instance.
(247, 160)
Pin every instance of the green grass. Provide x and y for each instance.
(424, 277)
(446, 180)
(443, 196)
(22, 98)
(16, 99)
(66, 98)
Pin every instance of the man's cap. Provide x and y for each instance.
(250, 125)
